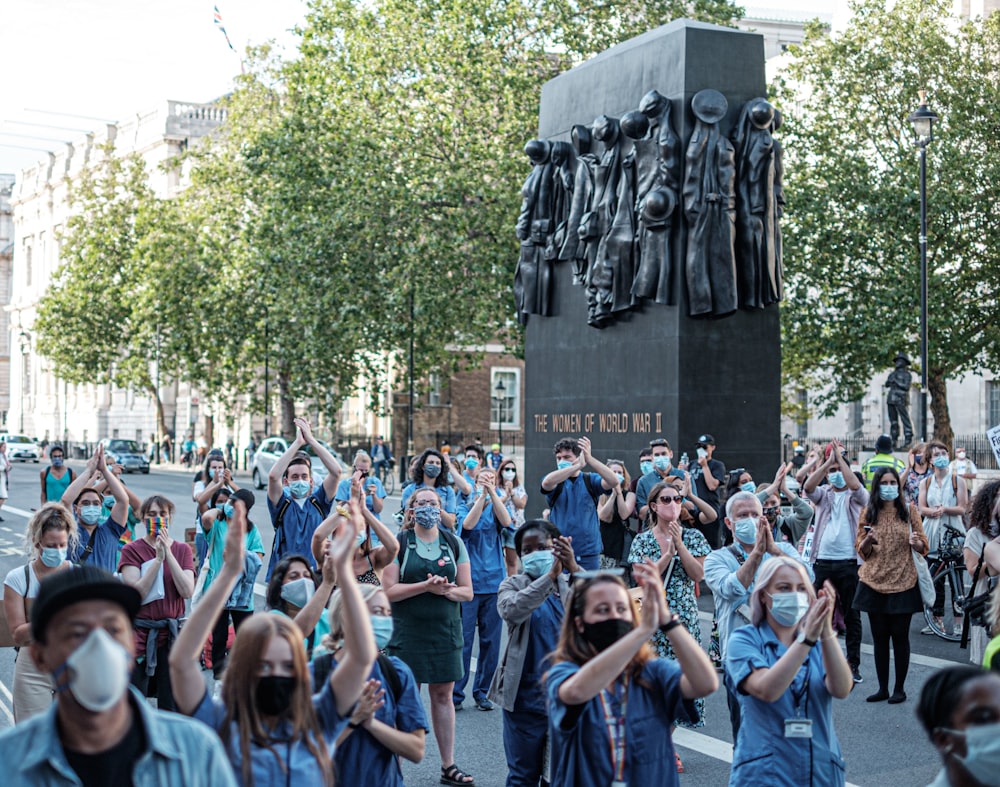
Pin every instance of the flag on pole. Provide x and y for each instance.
(218, 23)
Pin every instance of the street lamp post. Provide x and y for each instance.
(500, 390)
(923, 119)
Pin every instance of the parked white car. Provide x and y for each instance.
(271, 449)
(21, 448)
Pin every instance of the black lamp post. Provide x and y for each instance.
(923, 119)
(500, 391)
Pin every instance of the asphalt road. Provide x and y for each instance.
(883, 744)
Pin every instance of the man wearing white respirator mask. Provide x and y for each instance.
(99, 731)
(730, 573)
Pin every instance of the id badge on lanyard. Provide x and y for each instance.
(801, 725)
(615, 723)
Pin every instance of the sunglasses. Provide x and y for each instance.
(668, 499)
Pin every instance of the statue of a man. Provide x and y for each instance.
(898, 401)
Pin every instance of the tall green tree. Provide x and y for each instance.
(852, 222)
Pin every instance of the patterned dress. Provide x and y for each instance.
(680, 594)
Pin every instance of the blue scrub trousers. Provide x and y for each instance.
(524, 737)
(479, 613)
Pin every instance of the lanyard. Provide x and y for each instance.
(616, 730)
(801, 698)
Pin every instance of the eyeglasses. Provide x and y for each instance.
(600, 572)
(668, 499)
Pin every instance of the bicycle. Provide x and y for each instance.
(950, 578)
(387, 477)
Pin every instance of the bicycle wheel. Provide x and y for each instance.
(950, 580)
(389, 481)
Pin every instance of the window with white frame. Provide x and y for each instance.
(505, 398)
(993, 402)
(433, 389)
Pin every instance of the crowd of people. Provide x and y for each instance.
(604, 654)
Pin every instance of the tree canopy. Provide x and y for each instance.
(851, 229)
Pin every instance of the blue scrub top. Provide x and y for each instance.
(581, 754)
(266, 768)
(575, 513)
(298, 526)
(543, 636)
(485, 546)
(445, 493)
(105, 539)
(363, 761)
(763, 754)
(343, 494)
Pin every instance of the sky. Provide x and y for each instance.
(73, 64)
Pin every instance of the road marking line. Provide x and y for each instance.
(17, 512)
(3, 705)
(709, 746)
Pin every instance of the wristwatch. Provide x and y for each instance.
(802, 638)
(670, 625)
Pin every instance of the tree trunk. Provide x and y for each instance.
(937, 385)
(287, 405)
(161, 420)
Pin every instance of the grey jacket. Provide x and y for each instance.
(518, 597)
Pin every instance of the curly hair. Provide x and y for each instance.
(418, 468)
(981, 508)
(51, 516)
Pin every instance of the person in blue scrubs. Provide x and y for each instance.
(612, 704)
(786, 667)
(532, 603)
(430, 470)
(385, 725)
(274, 729)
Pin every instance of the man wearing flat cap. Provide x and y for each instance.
(99, 731)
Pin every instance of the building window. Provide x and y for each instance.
(27, 264)
(434, 389)
(993, 402)
(505, 407)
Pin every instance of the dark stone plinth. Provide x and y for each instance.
(656, 372)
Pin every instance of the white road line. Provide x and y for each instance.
(8, 698)
(17, 512)
(709, 746)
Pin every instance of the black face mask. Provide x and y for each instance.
(605, 633)
(274, 694)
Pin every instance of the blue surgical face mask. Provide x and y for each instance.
(982, 751)
(662, 463)
(888, 491)
(836, 479)
(53, 557)
(432, 471)
(562, 464)
(646, 467)
(360, 539)
(538, 562)
(940, 462)
(471, 462)
(109, 501)
(298, 591)
(788, 608)
(226, 510)
(382, 629)
(90, 515)
(299, 489)
(745, 529)
(57, 461)
(749, 486)
(620, 477)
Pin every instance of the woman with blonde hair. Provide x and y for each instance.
(51, 535)
(786, 738)
(606, 681)
(275, 730)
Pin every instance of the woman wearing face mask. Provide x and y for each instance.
(678, 553)
(369, 561)
(275, 730)
(430, 471)
(208, 481)
(960, 709)
(739, 480)
(918, 467)
(389, 720)
(426, 584)
(606, 686)
(514, 497)
(293, 592)
(614, 510)
(532, 604)
(215, 521)
(162, 570)
(942, 502)
(888, 531)
(787, 665)
(982, 553)
(50, 535)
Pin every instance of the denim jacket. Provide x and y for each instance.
(179, 751)
(242, 595)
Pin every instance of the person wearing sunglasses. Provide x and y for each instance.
(607, 687)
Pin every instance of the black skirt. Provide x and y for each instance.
(905, 602)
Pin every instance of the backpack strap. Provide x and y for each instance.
(391, 675)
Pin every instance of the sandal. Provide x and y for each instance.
(454, 777)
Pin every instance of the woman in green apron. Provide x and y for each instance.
(426, 585)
